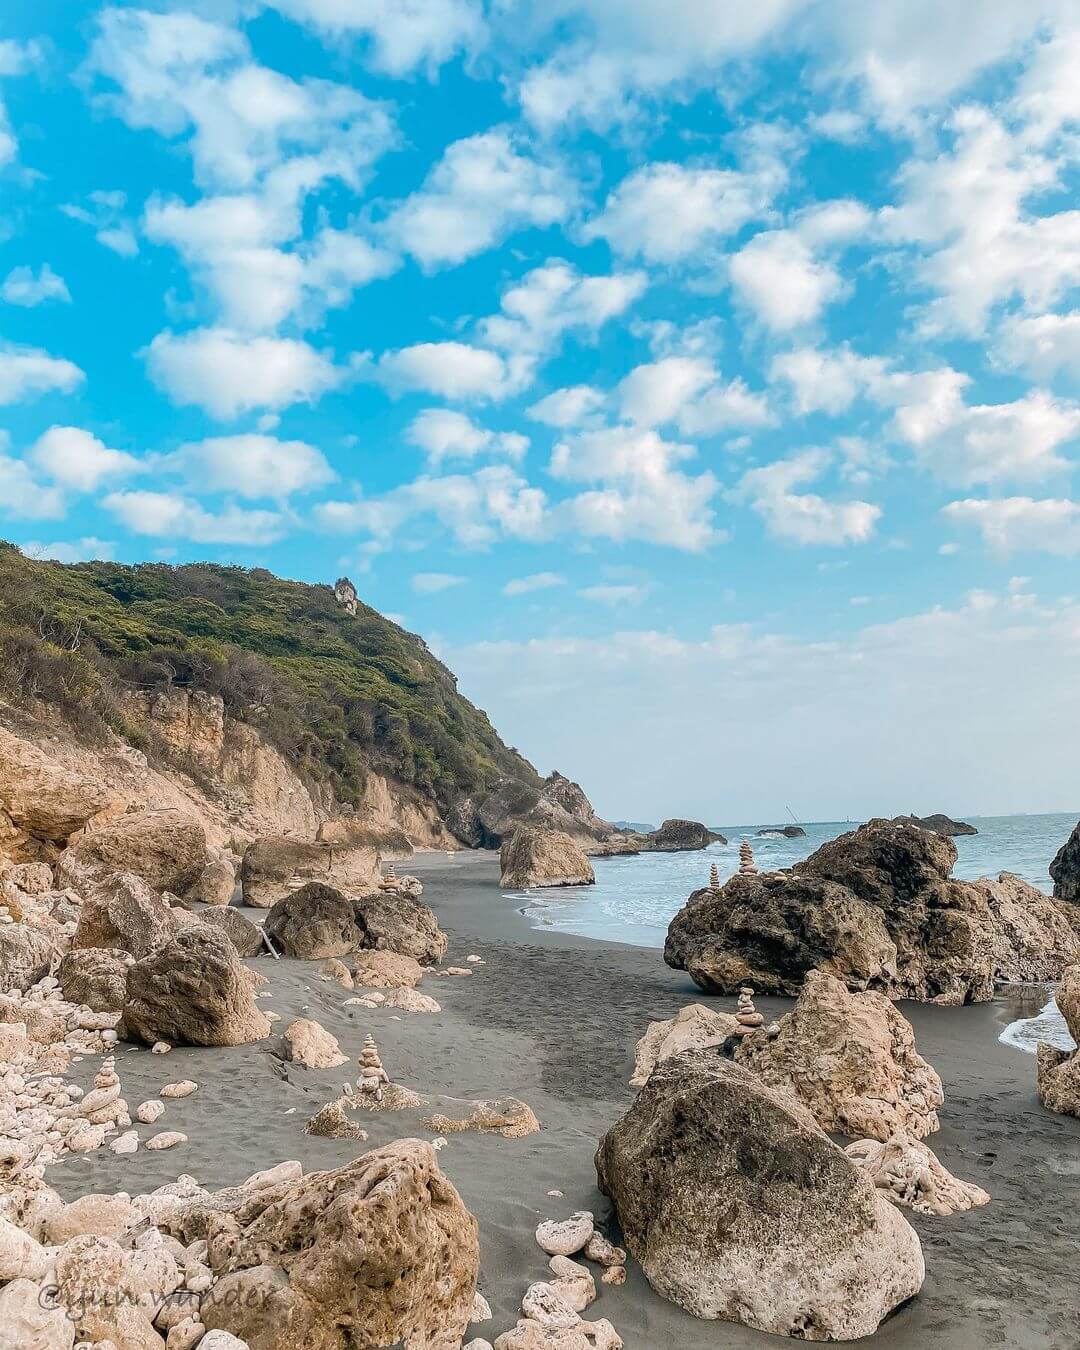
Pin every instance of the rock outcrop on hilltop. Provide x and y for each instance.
(535, 856)
(939, 824)
(1059, 1070)
(679, 836)
(879, 909)
(738, 1206)
(851, 1060)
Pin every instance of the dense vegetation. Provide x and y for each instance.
(337, 694)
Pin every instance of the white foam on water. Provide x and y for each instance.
(1047, 1026)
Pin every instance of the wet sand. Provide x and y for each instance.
(553, 1019)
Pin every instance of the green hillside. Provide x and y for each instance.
(338, 694)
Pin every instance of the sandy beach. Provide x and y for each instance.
(553, 1019)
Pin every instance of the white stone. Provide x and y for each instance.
(166, 1139)
(546, 1305)
(565, 1237)
(149, 1111)
(182, 1089)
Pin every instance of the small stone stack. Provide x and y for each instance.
(103, 1104)
(747, 1016)
(390, 878)
(373, 1077)
(747, 867)
(714, 880)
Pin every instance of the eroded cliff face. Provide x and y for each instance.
(222, 772)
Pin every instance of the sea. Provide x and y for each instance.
(635, 898)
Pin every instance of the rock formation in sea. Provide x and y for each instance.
(850, 1059)
(535, 856)
(910, 1175)
(939, 824)
(738, 1206)
(680, 836)
(1059, 1070)
(879, 909)
(1065, 871)
(788, 831)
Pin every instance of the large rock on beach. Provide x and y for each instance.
(534, 856)
(380, 1252)
(124, 913)
(679, 836)
(164, 847)
(1059, 1070)
(216, 883)
(26, 956)
(879, 909)
(1065, 869)
(738, 1206)
(192, 991)
(694, 1027)
(244, 935)
(318, 921)
(851, 1060)
(273, 867)
(96, 977)
(487, 820)
(47, 802)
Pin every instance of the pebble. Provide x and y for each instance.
(160, 1048)
(166, 1139)
(565, 1237)
(126, 1143)
(150, 1111)
(182, 1089)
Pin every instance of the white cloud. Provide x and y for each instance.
(22, 287)
(777, 276)
(105, 216)
(484, 188)
(228, 373)
(87, 549)
(805, 517)
(76, 459)
(169, 515)
(251, 466)
(1048, 96)
(1043, 345)
(1021, 524)
(26, 372)
(668, 213)
(538, 581)
(434, 583)
(405, 34)
(824, 381)
(570, 407)
(22, 497)
(445, 434)
(16, 58)
(477, 509)
(687, 390)
(979, 246)
(453, 370)
(614, 594)
(183, 76)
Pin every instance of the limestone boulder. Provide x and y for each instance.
(694, 1027)
(124, 913)
(216, 882)
(393, 922)
(306, 1042)
(274, 866)
(46, 800)
(30, 1322)
(386, 970)
(738, 1206)
(879, 909)
(33, 878)
(1065, 869)
(851, 1060)
(26, 956)
(244, 935)
(1033, 939)
(909, 1174)
(1059, 1070)
(314, 923)
(96, 977)
(380, 1252)
(534, 856)
(192, 991)
(164, 847)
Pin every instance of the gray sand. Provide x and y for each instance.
(553, 1018)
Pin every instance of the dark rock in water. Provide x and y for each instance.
(678, 836)
(939, 824)
(879, 909)
(738, 1206)
(1065, 869)
(788, 831)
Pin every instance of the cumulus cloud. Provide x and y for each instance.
(22, 287)
(26, 372)
(453, 370)
(434, 583)
(778, 277)
(569, 407)
(805, 517)
(688, 391)
(1041, 345)
(251, 466)
(87, 549)
(229, 373)
(22, 497)
(483, 188)
(443, 433)
(105, 214)
(77, 459)
(614, 594)
(827, 381)
(405, 35)
(538, 581)
(172, 516)
(1021, 524)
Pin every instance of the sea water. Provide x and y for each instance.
(635, 898)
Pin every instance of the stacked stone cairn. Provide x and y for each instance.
(373, 1077)
(747, 866)
(390, 878)
(747, 1016)
(714, 880)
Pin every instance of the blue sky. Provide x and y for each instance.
(699, 380)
